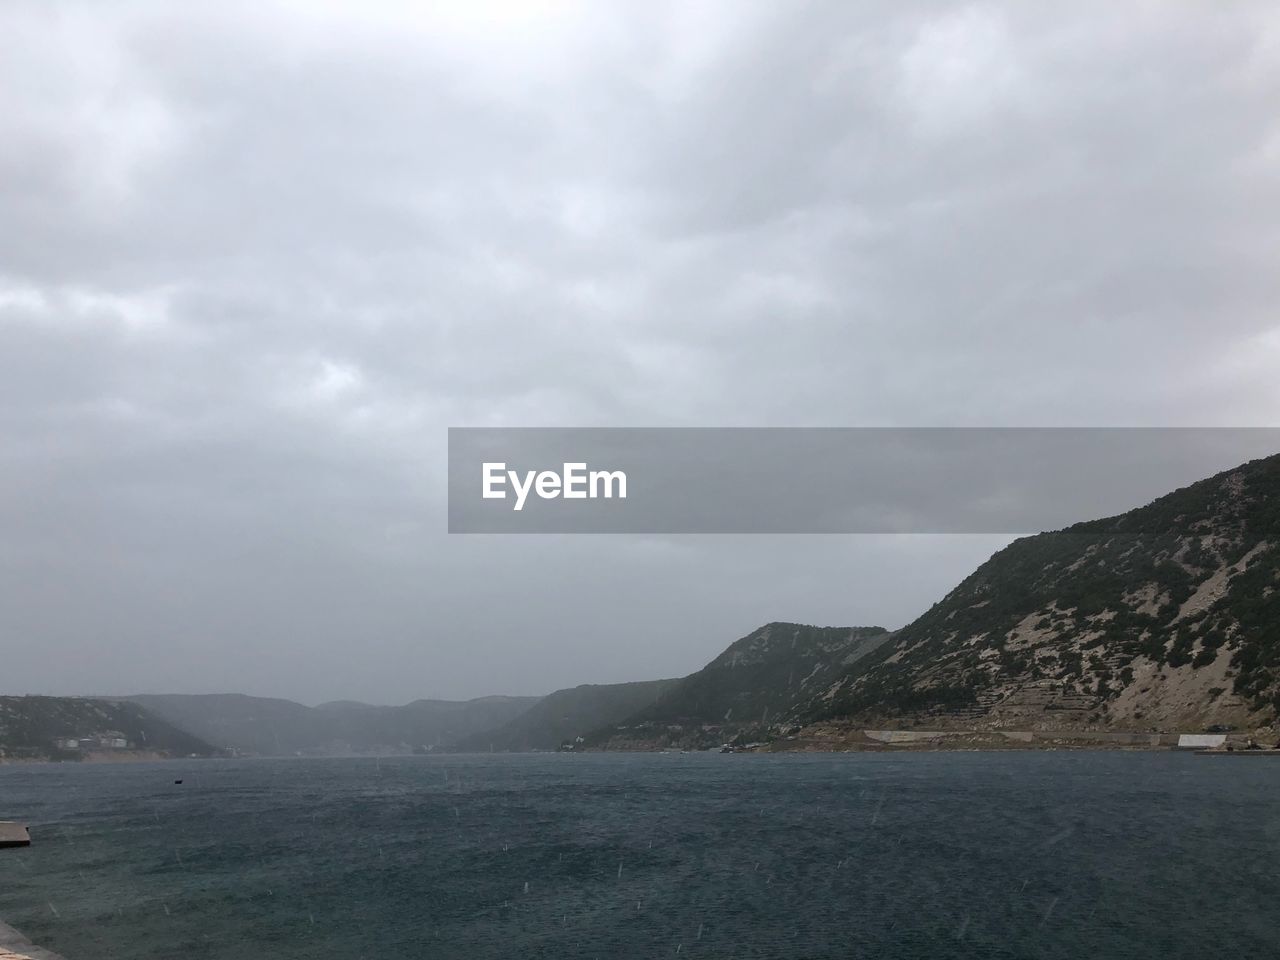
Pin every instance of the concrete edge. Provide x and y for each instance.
(14, 946)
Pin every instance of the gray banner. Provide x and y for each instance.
(823, 480)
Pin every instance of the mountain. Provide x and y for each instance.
(1166, 617)
(757, 679)
(71, 728)
(565, 715)
(271, 727)
(253, 725)
(434, 723)
(1163, 618)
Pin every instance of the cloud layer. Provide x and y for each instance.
(259, 256)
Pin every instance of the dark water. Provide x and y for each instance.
(618, 856)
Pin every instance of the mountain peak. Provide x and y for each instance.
(1162, 617)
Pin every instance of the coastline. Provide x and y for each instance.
(850, 737)
(15, 946)
(114, 756)
(844, 736)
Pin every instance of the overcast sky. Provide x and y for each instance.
(257, 257)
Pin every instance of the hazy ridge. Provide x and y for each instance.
(270, 727)
(1166, 617)
(562, 717)
(40, 728)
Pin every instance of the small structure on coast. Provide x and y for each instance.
(14, 834)
(1201, 741)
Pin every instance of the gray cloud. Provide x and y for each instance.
(258, 257)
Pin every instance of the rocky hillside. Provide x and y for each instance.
(1166, 617)
(75, 728)
(264, 726)
(561, 717)
(755, 681)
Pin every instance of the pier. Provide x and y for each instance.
(14, 946)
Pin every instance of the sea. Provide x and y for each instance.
(617, 856)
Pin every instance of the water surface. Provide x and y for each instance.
(1109, 855)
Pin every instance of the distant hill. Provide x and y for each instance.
(1166, 617)
(71, 728)
(270, 727)
(1163, 618)
(754, 682)
(565, 715)
(434, 723)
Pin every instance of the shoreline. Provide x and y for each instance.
(15, 946)
(102, 757)
(825, 738)
(846, 738)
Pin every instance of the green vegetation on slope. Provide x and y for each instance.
(45, 727)
(755, 681)
(563, 716)
(1112, 610)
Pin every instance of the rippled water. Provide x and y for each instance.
(628, 856)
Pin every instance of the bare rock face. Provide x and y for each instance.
(1165, 617)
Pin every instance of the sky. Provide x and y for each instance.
(258, 257)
